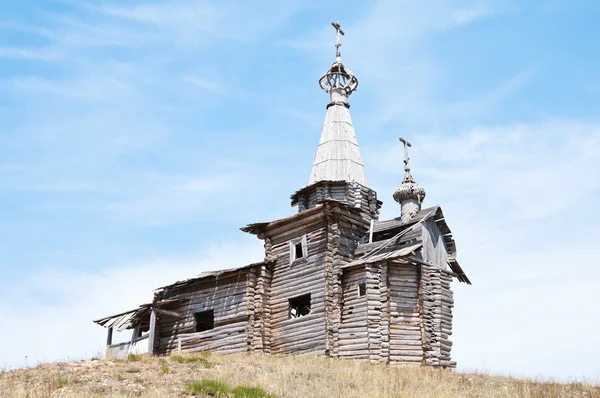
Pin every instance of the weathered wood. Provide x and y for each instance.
(109, 335)
(168, 313)
(152, 332)
(403, 315)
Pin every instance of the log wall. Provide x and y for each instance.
(405, 315)
(228, 296)
(406, 343)
(345, 229)
(292, 279)
(438, 302)
(351, 193)
(352, 336)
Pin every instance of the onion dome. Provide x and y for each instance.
(409, 189)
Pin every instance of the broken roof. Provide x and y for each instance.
(141, 315)
(208, 274)
(381, 227)
(124, 320)
(387, 256)
(386, 230)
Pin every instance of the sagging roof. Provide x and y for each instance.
(386, 230)
(387, 256)
(141, 315)
(138, 316)
(208, 274)
(124, 320)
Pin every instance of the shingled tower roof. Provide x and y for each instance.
(338, 157)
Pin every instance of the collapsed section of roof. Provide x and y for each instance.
(394, 235)
(161, 291)
(127, 320)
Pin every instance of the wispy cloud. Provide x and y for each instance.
(157, 199)
(519, 199)
(66, 300)
(29, 53)
(506, 166)
(212, 86)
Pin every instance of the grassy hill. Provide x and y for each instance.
(265, 376)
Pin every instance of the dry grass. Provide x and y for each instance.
(261, 376)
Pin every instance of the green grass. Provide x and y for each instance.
(61, 381)
(134, 357)
(209, 387)
(217, 388)
(250, 392)
(192, 359)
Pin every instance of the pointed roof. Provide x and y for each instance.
(337, 157)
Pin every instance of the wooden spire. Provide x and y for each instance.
(337, 157)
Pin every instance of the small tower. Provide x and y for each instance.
(409, 194)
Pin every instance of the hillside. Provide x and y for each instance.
(262, 376)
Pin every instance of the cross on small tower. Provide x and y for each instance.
(339, 32)
(406, 158)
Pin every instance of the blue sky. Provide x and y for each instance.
(137, 137)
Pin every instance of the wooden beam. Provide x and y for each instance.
(109, 337)
(169, 313)
(152, 331)
(135, 334)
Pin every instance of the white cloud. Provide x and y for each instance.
(48, 315)
(520, 200)
(28, 53)
(158, 199)
(531, 170)
(212, 86)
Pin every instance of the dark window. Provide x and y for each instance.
(300, 306)
(362, 289)
(298, 248)
(205, 320)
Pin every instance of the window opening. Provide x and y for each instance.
(298, 249)
(362, 289)
(300, 306)
(205, 320)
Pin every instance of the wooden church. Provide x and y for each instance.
(335, 280)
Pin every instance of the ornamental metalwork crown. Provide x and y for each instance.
(338, 76)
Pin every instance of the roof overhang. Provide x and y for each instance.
(132, 318)
(328, 204)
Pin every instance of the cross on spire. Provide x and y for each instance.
(406, 158)
(339, 31)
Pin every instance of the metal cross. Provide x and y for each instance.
(406, 158)
(339, 32)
